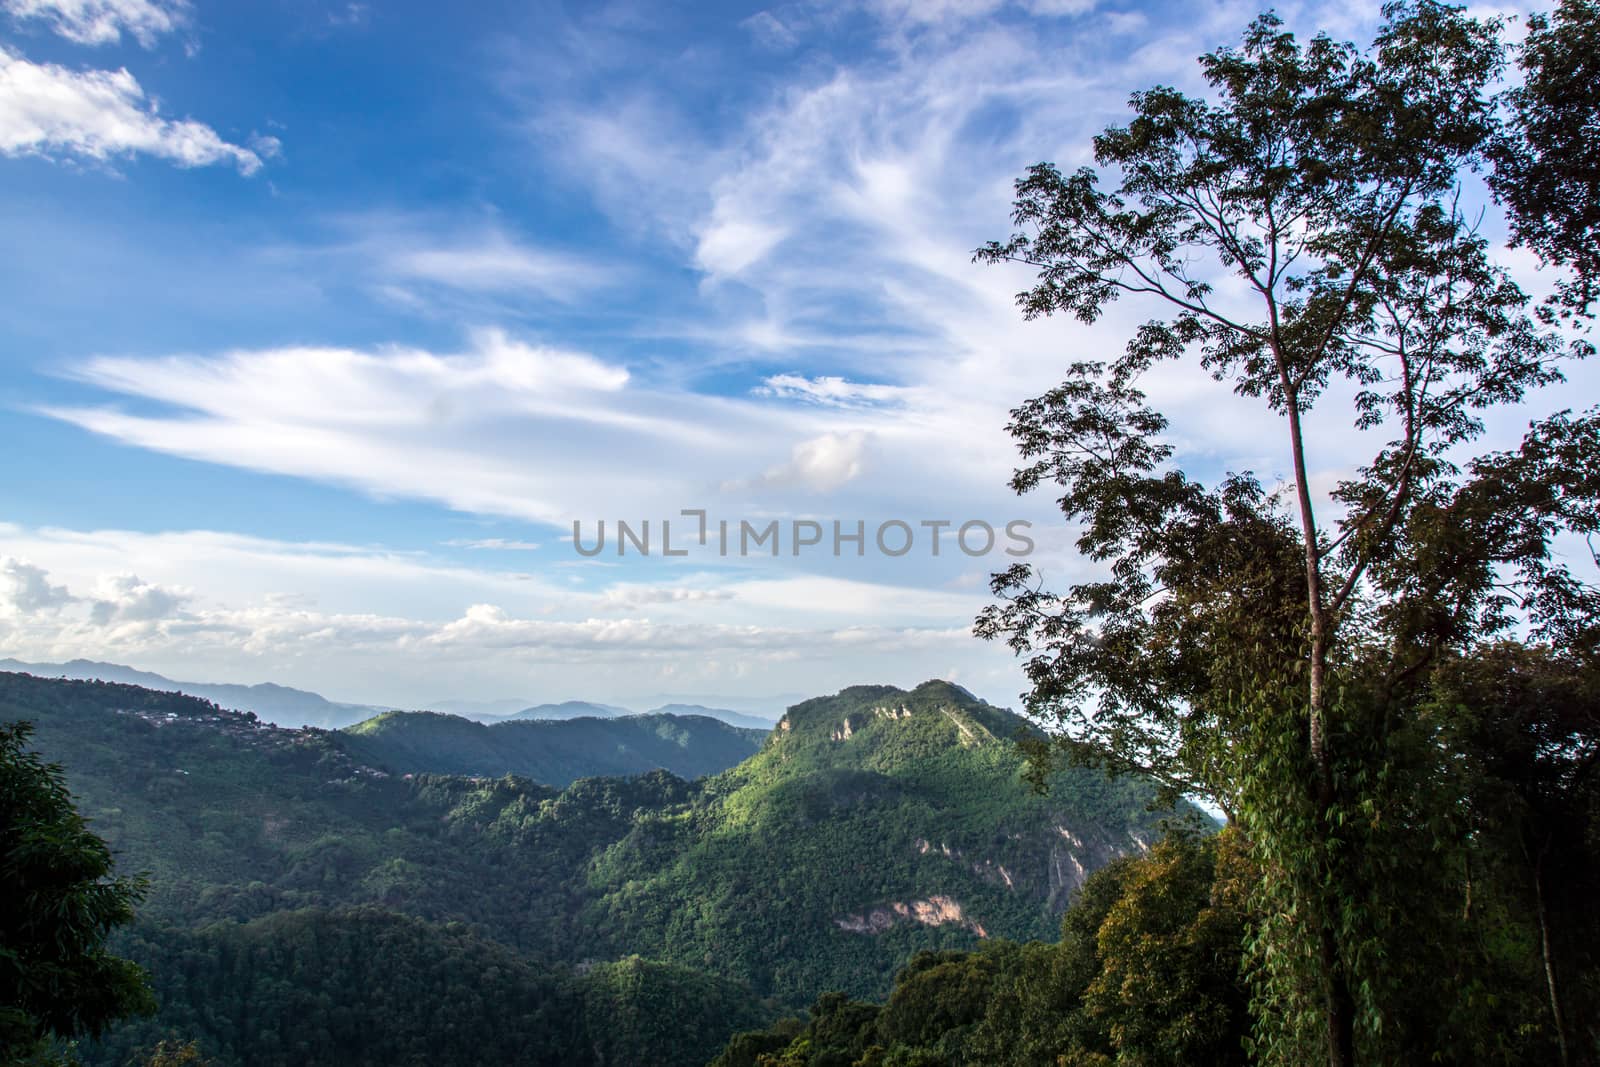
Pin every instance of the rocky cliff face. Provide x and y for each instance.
(937, 910)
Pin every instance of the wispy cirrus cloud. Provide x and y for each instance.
(495, 544)
(492, 264)
(832, 390)
(845, 200)
(452, 264)
(103, 22)
(505, 427)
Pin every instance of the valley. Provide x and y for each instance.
(867, 826)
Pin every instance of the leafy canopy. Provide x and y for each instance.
(57, 978)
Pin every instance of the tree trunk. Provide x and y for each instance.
(1549, 964)
(1339, 1010)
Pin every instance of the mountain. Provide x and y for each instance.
(760, 706)
(481, 710)
(869, 825)
(872, 823)
(552, 751)
(727, 715)
(572, 709)
(274, 703)
(489, 711)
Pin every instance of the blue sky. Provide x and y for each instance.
(325, 320)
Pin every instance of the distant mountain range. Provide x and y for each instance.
(275, 703)
(727, 715)
(285, 706)
(482, 710)
(508, 710)
(572, 709)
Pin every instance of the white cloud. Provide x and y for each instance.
(1124, 22)
(350, 15)
(492, 263)
(832, 391)
(823, 463)
(365, 624)
(123, 598)
(1058, 8)
(27, 590)
(496, 544)
(505, 427)
(628, 596)
(645, 164)
(728, 246)
(101, 22)
(770, 31)
(468, 265)
(933, 12)
(101, 115)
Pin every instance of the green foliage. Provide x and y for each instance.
(1547, 165)
(1239, 646)
(1147, 972)
(312, 987)
(1524, 725)
(637, 1011)
(58, 980)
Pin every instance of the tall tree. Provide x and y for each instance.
(57, 979)
(1273, 657)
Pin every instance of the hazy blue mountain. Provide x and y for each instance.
(481, 710)
(727, 715)
(764, 706)
(573, 709)
(275, 703)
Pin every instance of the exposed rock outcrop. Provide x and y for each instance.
(936, 910)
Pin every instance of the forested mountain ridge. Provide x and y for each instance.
(870, 825)
(575, 709)
(552, 751)
(276, 703)
(727, 715)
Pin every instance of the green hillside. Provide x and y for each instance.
(553, 751)
(870, 825)
(369, 987)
